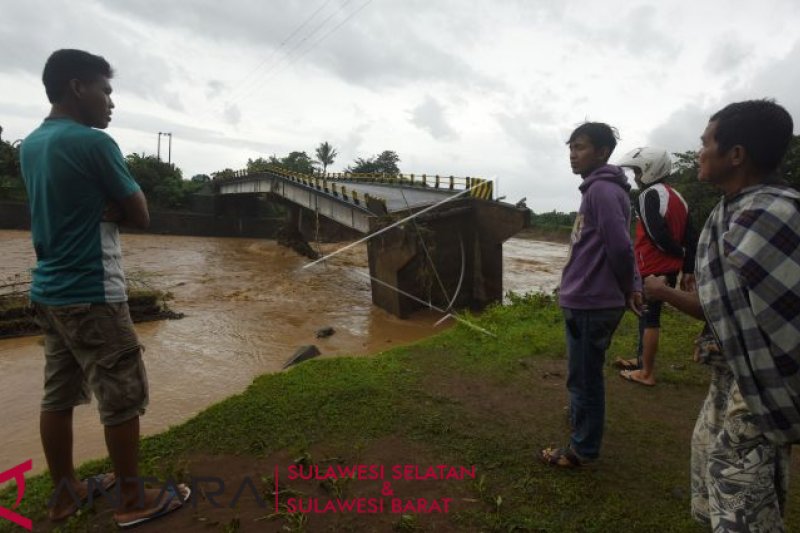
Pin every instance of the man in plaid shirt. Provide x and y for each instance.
(748, 278)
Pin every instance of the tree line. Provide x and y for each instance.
(164, 186)
(700, 196)
(385, 162)
(163, 183)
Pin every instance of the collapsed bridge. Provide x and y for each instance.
(447, 251)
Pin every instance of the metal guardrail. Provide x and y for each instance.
(372, 203)
(481, 188)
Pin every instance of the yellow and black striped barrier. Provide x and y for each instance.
(480, 188)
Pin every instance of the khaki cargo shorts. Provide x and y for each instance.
(92, 347)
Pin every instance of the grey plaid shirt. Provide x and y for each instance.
(748, 279)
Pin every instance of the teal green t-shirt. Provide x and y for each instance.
(71, 172)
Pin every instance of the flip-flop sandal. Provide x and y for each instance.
(625, 364)
(560, 458)
(173, 502)
(627, 375)
(96, 486)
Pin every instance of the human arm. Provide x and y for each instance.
(131, 211)
(656, 288)
(126, 204)
(611, 211)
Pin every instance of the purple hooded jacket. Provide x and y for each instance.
(600, 270)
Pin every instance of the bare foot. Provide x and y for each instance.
(69, 501)
(156, 503)
(635, 376)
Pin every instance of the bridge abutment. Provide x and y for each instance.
(451, 258)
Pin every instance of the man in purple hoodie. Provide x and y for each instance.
(598, 281)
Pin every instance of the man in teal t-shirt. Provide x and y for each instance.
(79, 190)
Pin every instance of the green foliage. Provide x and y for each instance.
(259, 165)
(201, 178)
(553, 219)
(700, 196)
(383, 163)
(326, 154)
(9, 160)
(162, 183)
(11, 185)
(298, 162)
(223, 174)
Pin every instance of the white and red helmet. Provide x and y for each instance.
(655, 164)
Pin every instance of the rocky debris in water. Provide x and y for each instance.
(327, 331)
(302, 354)
(294, 239)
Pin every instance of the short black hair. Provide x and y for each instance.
(762, 127)
(69, 64)
(599, 133)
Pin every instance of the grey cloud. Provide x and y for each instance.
(214, 88)
(727, 55)
(430, 116)
(682, 130)
(384, 44)
(636, 31)
(351, 146)
(62, 24)
(538, 140)
(149, 124)
(232, 114)
(779, 80)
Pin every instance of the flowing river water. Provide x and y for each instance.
(248, 304)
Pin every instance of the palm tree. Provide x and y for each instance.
(326, 155)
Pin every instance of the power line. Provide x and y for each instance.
(277, 50)
(318, 41)
(294, 59)
(254, 83)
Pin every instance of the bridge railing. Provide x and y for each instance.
(372, 203)
(480, 188)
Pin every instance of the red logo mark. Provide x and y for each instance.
(18, 474)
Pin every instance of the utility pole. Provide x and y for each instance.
(169, 149)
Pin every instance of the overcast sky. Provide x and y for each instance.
(488, 89)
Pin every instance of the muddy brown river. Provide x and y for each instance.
(248, 306)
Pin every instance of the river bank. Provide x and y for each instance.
(460, 398)
(248, 304)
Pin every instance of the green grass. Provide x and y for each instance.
(467, 398)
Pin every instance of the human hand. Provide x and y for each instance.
(636, 303)
(654, 287)
(688, 283)
(113, 213)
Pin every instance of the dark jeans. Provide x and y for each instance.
(588, 337)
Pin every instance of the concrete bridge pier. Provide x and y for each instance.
(454, 254)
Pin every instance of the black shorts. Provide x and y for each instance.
(651, 318)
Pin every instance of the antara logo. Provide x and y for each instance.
(17, 474)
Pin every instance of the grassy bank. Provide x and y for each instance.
(460, 398)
